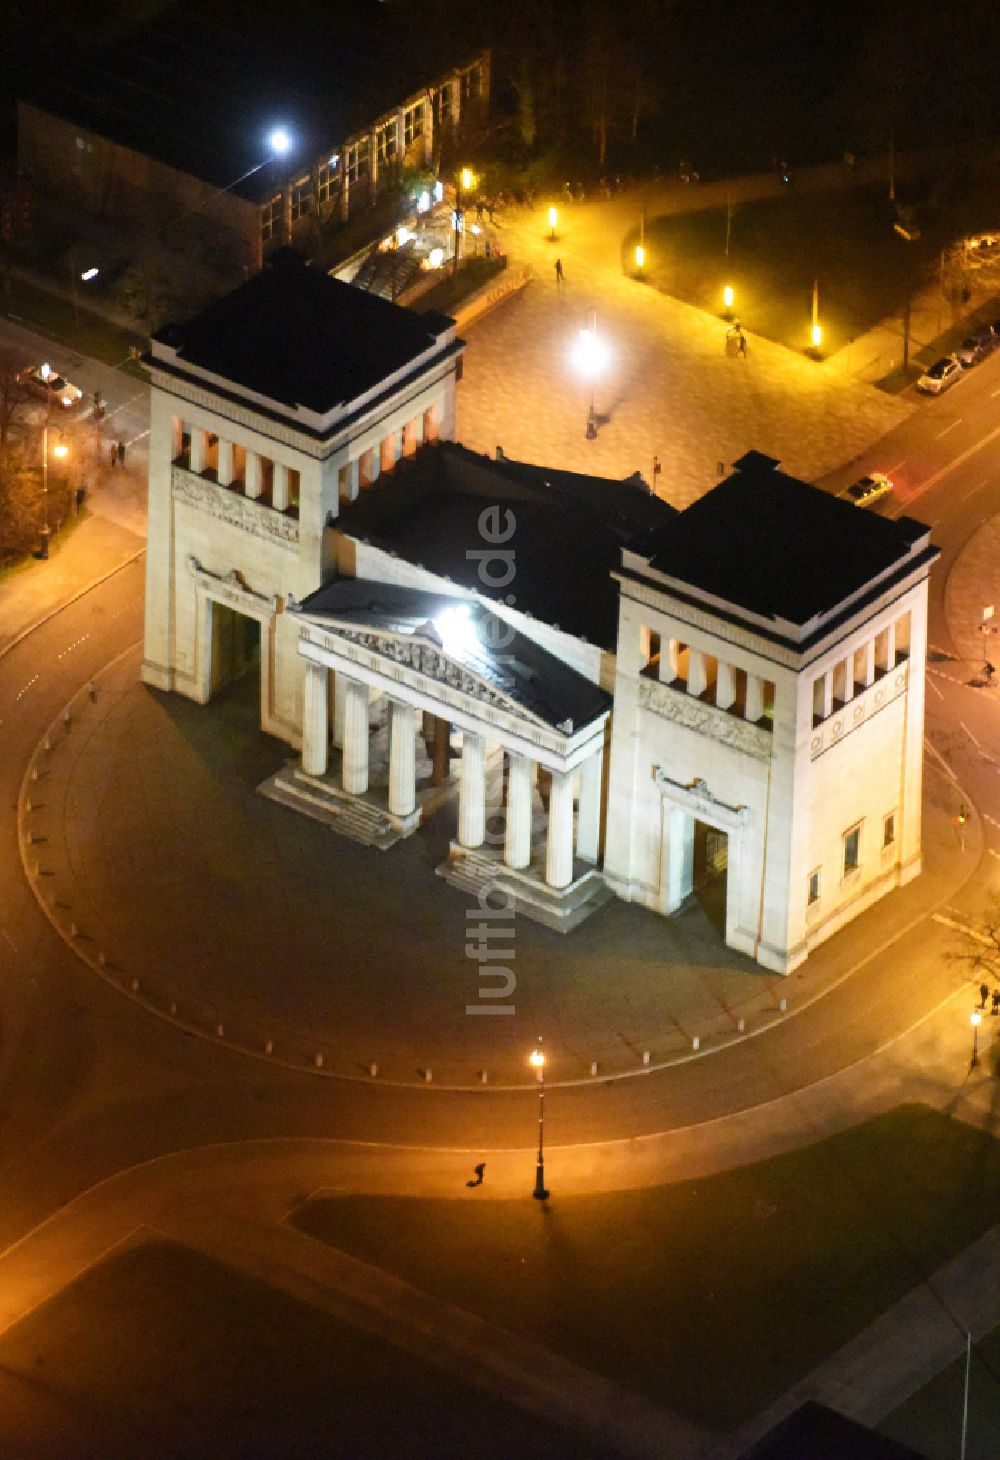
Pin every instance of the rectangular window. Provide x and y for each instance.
(302, 197)
(270, 220)
(385, 143)
(357, 160)
(442, 105)
(413, 124)
(813, 887)
(650, 649)
(852, 849)
(294, 485)
(889, 830)
(327, 179)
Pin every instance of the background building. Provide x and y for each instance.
(167, 124)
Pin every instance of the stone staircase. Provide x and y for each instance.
(360, 818)
(563, 909)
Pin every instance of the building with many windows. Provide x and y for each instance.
(167, 125)
(611, 697)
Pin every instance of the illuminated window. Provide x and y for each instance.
(357, 160)
(385, 142)
(302, 197)
(413, 124)
(270, 220)
(813, 887)
(888, 830)
(327, 177)
(852, 849)
(471, 84)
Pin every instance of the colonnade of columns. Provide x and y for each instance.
(364, 470)
(237, 466)
(704, 672)
(858, 670)
(472, 795)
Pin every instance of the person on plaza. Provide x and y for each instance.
(121, 453)
(114, 454)
(984, 993)
(480, 1171)
(560, 277)
(996, 1002)
(989, 670)
(741, 343)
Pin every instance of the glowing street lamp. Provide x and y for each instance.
(553, 220)
(975, 1019)
(728, 299)
(537, 1061)
(591, 356)
(464, 183)
(640, 256)
(60, 450)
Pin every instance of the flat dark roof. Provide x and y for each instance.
(198, 84)
(568, 533)
(295, 335)
(778, 547)
(530, 675)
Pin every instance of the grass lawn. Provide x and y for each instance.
(90, 334)
(844, 240)
(711, 1296)
(931, 1420)
(161, 1352)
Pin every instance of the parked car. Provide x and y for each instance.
(975, 348)
(43, 381)
(868, 490)
(941, 376)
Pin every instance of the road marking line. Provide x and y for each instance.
(948, 428)
(898, 467)
(970, 734)
(994, 394)
(991, 819)
(958, 460)
(933, 686)
(962, 928)
(993, 853)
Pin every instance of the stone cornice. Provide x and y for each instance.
(696, 798)
(253, 517)
(234, 590)
(708, 720)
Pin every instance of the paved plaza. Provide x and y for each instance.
(668, 389)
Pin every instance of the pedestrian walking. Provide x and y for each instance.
(996, 1002)
(984, 993)
(480, 1171)
(741, 344)
(114, 454)
(989, 670)
(121, 453)
(560, 276)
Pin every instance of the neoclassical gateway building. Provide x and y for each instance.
(620, 698)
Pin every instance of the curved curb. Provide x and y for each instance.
(132, 988)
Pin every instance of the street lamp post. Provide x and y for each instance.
(537, 1061)
(464, 184)
(590, 356)
(975, 1019)
(60, 450)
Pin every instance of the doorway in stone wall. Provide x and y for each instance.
(236, 669)
(710, 872)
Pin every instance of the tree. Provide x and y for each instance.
(978, 950)
(13, 398)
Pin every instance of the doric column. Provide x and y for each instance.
(696, 672)
(725, 686)
(441, 751)
(224, 471)
(351, 480)
(588, 826)
(279, 487)
(755, 697)
(520, 793)
(668, 662)
(828, 694)
(314, 721)
(559, 844)
(252, 484)
(402, 758)
(472, 791)
(355, 752)
(196, 459)
(868, 653)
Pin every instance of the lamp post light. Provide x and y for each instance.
(464, 183)
(537, 1061)
(975, 1018)
(553, 219)
(60, 450)
(728, 298)
(591, 357)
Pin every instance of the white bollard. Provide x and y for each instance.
(135, 985)
(428, 1076)
(646, 1056)
(782, 1005)
(74, 931)
(318, 1061)
(593, 1067)
(220, 1030)
(696, 1042)
(269, 1047)
(373, 1069)
(102, 958)
(741, 1025)
(483, 1077)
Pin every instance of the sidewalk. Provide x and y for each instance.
(33, 591)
